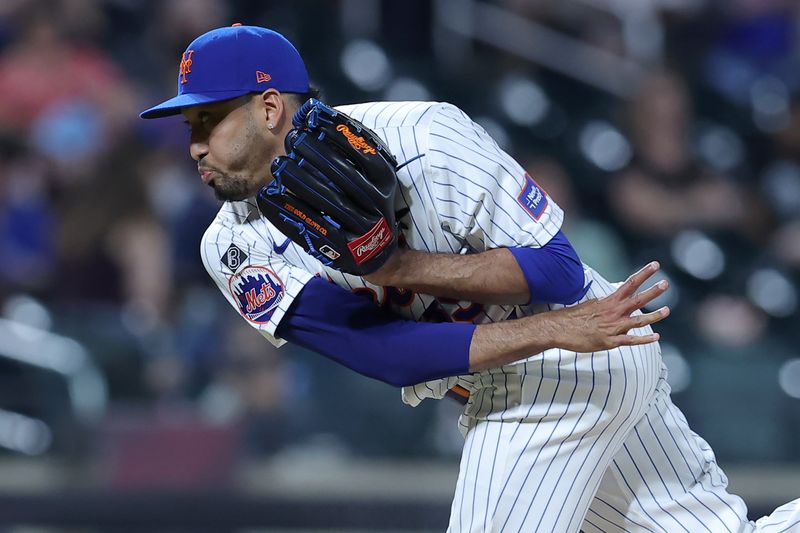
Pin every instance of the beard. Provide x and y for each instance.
(234, 188)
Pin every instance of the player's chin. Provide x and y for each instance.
(235, 193)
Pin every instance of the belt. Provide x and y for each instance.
(459, 394)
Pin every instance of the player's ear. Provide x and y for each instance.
(274, 109)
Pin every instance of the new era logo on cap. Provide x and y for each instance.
(233, 61)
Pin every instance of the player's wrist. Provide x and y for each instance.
(550, 330)
(386, 275)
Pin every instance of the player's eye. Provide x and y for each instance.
(203, 121)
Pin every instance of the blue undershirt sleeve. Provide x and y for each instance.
(554, 272)
(358, 334)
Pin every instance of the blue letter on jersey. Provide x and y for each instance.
(257, 291)
(532, 198)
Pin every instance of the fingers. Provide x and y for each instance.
(648, 295)
(634, 340)
(633, 283)
(646, 319)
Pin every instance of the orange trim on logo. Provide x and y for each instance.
(355, 141)
(186, 65)
(261, 77)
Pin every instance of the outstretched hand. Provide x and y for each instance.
(605, 323)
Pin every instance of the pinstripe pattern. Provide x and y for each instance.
(666, 479)
(541, 433)
(557, 442)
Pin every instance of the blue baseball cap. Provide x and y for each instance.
(229, 62)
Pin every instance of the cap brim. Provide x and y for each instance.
(174, 105)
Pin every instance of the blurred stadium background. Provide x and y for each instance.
(132, 396)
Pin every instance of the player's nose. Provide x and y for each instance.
(198, 150)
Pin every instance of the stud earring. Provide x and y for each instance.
(270, 125)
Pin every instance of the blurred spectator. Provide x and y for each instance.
(780, 183)
(252, 383)
(26, 242)
(43, 70)
(666, 188)
(112, 246)
(756, 39)
(730, 321)
(182, 204)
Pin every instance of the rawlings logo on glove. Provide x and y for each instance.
(334, 191)
(367, 246)
(355, 141)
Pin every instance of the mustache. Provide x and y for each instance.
(207, 168)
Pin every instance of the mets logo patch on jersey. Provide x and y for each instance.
(532, 198)
(257, 291)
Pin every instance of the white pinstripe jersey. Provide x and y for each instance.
(465, 195)
(607, 452)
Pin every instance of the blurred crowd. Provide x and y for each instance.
(101, 213)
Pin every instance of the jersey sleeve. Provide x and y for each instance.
(480, 192)
(253, 277)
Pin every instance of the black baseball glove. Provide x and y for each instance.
(334, 193)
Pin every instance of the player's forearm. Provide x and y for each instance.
(354, 332)
(491, 277)
(591, 326)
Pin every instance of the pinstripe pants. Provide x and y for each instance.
(665, 479)
(591, 442)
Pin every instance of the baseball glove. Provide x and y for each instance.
(334, 193)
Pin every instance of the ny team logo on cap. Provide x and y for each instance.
(186, 65)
